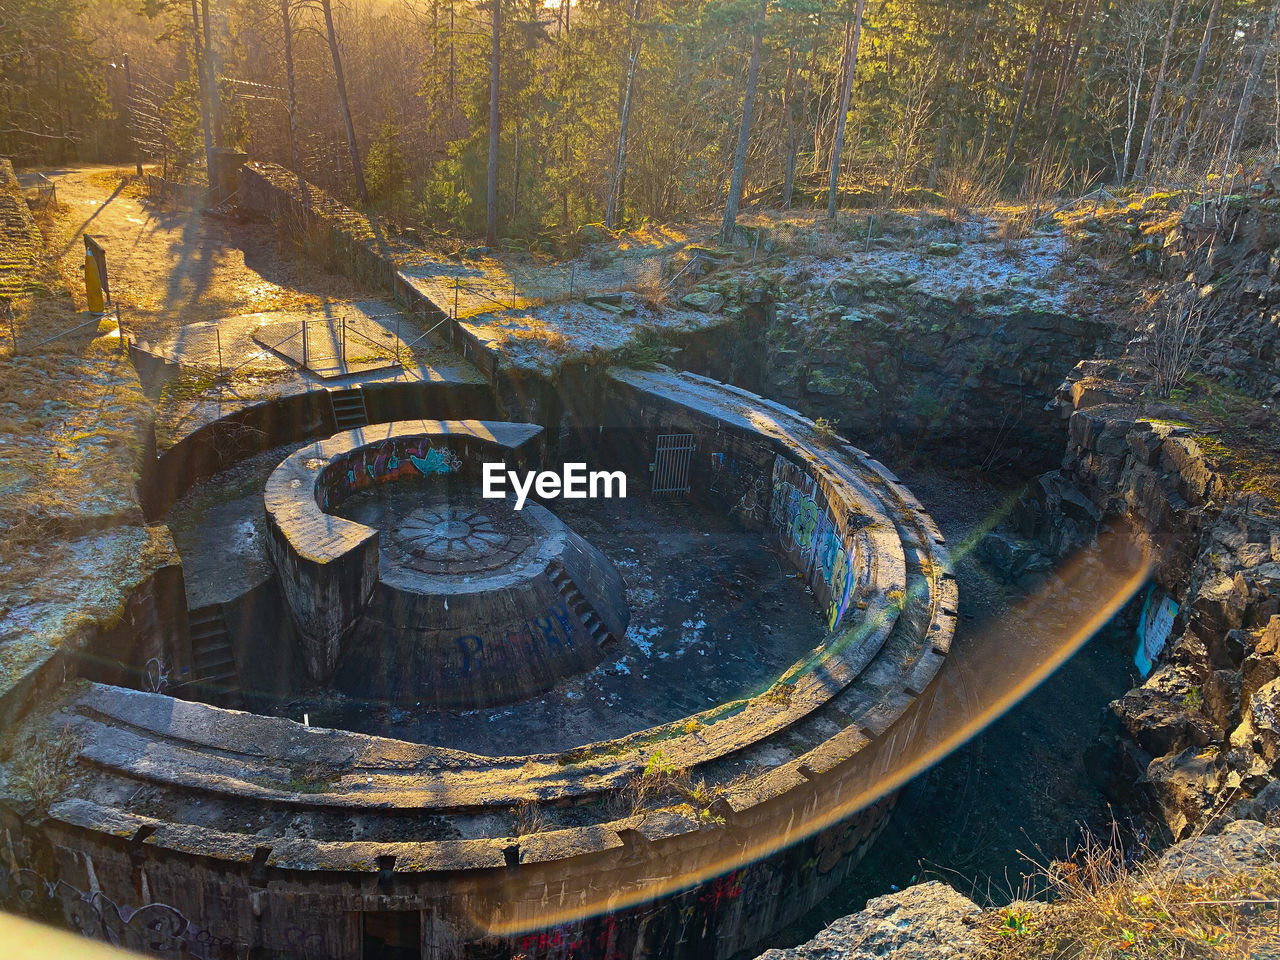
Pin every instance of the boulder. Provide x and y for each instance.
(929, 921)
(704, 301)
(943, 249)
(1185, 785)
(1010, 558)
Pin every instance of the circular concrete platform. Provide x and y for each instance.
(691, 838)
(423, 592)
(477, 604)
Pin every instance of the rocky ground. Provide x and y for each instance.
(1183, 904)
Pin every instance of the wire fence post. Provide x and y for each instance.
(398, 339)
(344, 342)
(218, 333)
(304, 344)
(455, 298)
(573, 275)
(124, 344)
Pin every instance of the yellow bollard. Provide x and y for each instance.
(93, 284)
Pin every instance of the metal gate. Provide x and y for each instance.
(671, 460)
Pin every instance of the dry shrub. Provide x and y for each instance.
(528, 818)
(42, 770)
(1176, 336)
(1101, 907)
(967, 190)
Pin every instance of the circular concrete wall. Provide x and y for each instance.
(692, 838)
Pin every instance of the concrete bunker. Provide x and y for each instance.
(325, 792)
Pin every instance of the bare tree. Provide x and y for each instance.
(1250, 86)
(206, 112)
(1026, 89)
(343, 106)
(1175, 144)
(837, 146)
(287, 22)
(620, 157)
(491, 186)
(744, 128)
(1140, 168)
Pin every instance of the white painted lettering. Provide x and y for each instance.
(548, 484)
(608, 480)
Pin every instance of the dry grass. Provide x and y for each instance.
(1103, 908)
(42, 769)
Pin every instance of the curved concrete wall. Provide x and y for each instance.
(794, 772)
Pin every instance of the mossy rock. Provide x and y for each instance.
(940, 248)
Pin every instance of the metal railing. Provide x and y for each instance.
(46, 190)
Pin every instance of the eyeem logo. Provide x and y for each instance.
(575, 483)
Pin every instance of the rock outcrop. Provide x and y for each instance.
(929, 921)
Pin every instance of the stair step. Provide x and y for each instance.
(202, 638)
(209, 663)
(205, 650)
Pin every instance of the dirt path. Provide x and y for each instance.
(172, 266)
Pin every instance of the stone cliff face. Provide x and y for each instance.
(914, 356)
(1201, 736)
(1201, 733)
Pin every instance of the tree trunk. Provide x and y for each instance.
(1026, 89)
(1250, 85)
(293, 103)
(1140, 169)
(491, 198)
(1131, 113)
(744, 129)
(205, 118)
(211, 76)
(624, 119)
(1171, 157)
(357, 171)
(952, 93)
(837, 144)
(789, 131)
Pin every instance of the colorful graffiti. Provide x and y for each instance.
(386, 462)
(805, 529)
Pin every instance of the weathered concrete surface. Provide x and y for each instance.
(506, 854)
(328, 566)
(930, 921)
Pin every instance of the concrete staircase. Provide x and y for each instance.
(348, 408)
(583, 610)
(211, 654)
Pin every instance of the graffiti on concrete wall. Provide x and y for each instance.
(806, 531)
(153, 928)
(396, 459)
(547, 635)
